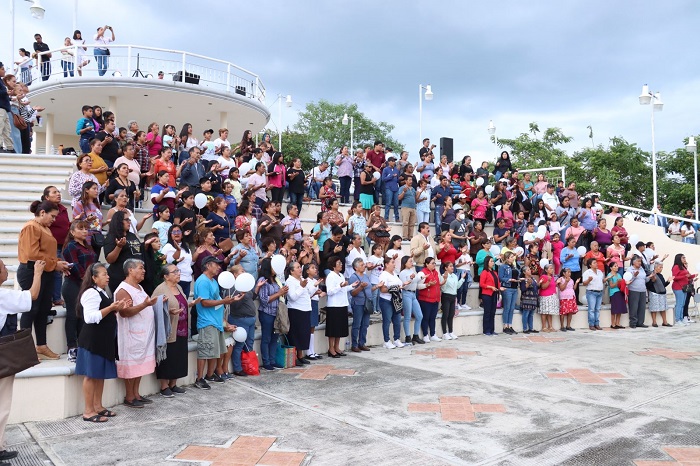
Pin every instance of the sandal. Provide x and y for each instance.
(107, 413)
(96, 418)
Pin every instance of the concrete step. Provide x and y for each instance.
(11, 182)
(35, 172)
(37, 162)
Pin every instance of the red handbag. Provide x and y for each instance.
(249, 362)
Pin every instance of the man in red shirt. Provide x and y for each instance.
(378, 160)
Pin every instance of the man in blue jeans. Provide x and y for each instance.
(242, 315)
(390, 180)
(593, 281)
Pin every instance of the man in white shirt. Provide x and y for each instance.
(318, 174)
(101, 48)
(551, 201)
(13, 302)
(592, 279)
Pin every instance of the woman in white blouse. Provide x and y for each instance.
(178, 252)
(336, 307)
(354, 252)
(390, 314)
(299, 309)
(97, 340)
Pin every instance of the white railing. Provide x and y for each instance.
(138, 62)
(647, 212)
(547, 169)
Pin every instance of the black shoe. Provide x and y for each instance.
(417, 340)
(643, 326)
(310, 357)
(654, 325)
(240, 373)
(409, 341)
(334, 356)
(146, 401)
(666, 325)
(302, 362)
(570, 329)
(167, 393)
(268, 367)
(534, 331)
(178, 390)
(7, 454)
(633, 326)
(134, 403)
(216, 378)
(202, 384)
(562, 329)
(341, 354)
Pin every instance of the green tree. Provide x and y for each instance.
(295, 144)
(676, 182)
(322, 123)
(621, 173)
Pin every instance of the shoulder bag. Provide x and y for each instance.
(17, 353)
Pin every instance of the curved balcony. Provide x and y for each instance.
(215, 93)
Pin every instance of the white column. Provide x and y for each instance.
(223, 121)
(49, 132)
(112, 105)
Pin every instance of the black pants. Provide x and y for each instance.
(448, 312)
(686, 304)
(26, 141)
(356, 194)
(41, 307)
(73, 323)
(577, 276)
(345, 182)
(193, 321)
(277, 194)
(489, 304)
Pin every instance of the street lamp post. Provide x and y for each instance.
(352, 127)
(492, 132)
(692, 147)
(37, 12)
(288, 102)
(428, 96)
(646, 98)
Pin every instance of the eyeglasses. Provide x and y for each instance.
(177, 232)
(176, 271)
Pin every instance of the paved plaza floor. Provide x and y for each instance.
(576, 398)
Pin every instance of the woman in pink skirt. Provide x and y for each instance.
(567, 299)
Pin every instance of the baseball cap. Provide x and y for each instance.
(462, 196)
(457, 207)
(426, 176)
(210, 259)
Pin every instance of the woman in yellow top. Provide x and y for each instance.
(36, 243)
(99, 166)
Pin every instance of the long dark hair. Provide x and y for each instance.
(678, 260)
(116, 225)
(83, 194)
(171, 241)
(183, 131)
(277, 159)
(89, 282)
(266, 270)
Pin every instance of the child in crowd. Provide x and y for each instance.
(528, 300)
(162, 225)
(557, 246)
(567, 299)
(322, 230)
(231, 203)
(549, 302)
(464, 268)
(375, 264)
(449, 286)
(554, 224)
(310, 273)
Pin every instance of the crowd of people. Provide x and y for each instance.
(218, 207)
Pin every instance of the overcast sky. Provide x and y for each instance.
(567, 64)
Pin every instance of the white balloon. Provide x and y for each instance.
(244, 169)
(488, 189)
(226, 280)
(376, 175)
(518, 251)
(633, 240)
(581, 250)
(200, 200)
(279, 262)
(541, 228)
(240, 335)
(245, 282)
(498, 208)
(540, 234)
(479, 181)
(495, 250)
(544, 263)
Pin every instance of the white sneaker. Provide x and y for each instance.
(467, 307)
(686, 319)
(398, 344)
(389, 345)
(434, 338)
(446, 336)
(690, 321)
(426, 339)
(454, 337)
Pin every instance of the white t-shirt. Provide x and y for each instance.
(218, 142)
(597, 283)
(389, 279)
(209, 150)
(396, 254)
(686, 229)
(104, 41)
(226, 165)
(185, 265)
(352, 255)
(375, 272)
(256, 180)
(462, 264)
(551, 200)
(318, 175)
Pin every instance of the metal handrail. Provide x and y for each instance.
(224, 77)
(648, 212)
(533, 170)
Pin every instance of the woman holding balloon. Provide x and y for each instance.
(242, 315)
(571, 259)
(299, 309)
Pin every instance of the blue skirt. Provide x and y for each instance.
(314, 313)
(94, 366)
